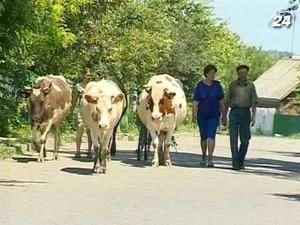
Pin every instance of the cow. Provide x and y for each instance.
(48, 103)
(162, 107)
(101, 108)
(113, 147)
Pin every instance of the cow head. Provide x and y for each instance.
(104, 108)
(159, 100)
(36, 96)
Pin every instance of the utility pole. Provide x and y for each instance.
(294, 9)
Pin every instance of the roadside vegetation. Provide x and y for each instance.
(127, 38)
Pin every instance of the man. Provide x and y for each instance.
(85, 77)
(241, 97)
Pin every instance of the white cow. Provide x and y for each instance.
(101, 109)
(162, 108)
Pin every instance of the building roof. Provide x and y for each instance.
(279, 81)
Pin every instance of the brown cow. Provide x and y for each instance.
(49, 100)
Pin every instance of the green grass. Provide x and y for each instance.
(295, 136)
(22, 133)
(7, 152)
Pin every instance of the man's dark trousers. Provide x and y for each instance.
(239, 125)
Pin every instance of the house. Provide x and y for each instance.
(277, 113)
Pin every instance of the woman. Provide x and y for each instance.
(207, 107)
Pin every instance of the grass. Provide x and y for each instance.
(7, 151)
(293, 136)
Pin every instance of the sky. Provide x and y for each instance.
(251, 20)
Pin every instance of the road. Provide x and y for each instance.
(66, 192)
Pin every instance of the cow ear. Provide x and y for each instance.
(47, 89)
(91, 99)
(169, 94)
(147, 88)
(118, 98)
(25, 92)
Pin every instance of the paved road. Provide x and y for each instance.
(65, 192)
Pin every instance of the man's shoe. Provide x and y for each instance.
(89, 154)
(77, 155)
(234, 167)
(203, 163)
(210, 164)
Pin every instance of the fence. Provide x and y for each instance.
(286, 124)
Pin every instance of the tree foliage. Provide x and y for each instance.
(131, 39)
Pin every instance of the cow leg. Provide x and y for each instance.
(89, 153)
(97, 159)
(42, 152)
(43, 140)
(44, 135)
(167, 145)
(155, 143)
(109, 152)
(161, 149)
(113, 147)
(44, 149)
(104, 150)
(35, 140)
(95, 140)
(56, 143)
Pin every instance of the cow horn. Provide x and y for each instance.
(47, 89)
(25, 92)
(26, 88)
(147, 88)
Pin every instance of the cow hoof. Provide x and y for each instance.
(40, 160)
(102, 170)
(97, 170)
(168, 163)
(55, 157)
(77, 155)
(155, 164)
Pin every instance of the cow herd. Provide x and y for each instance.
(162, 107)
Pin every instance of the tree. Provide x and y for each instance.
(131, 39)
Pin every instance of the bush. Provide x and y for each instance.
(7, 152)
(8, 114)
(129, 123)
(22, 132)
(188, 125)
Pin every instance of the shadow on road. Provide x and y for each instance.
(18, 183)
(292, 197)
(22, 159)
(83, 158)
(275, 168)
(129, 157)
(258, 166)
(289, 154)
(26, 158)
(77, 170)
